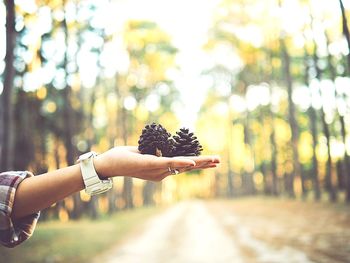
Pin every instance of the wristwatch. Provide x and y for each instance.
(93, 184)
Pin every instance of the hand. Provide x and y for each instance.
(127, 161)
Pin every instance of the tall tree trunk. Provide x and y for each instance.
(272, 137)
(314, 134)
(273, 144)
(292, 120)
(263, 166)
(247, 180)
(230, 189)
(147, 193)
(68, 117)
(329, 183)
(313, 126)
(345, 166)
(112, 194)
(345, 31)
(7, 100)
(68, 113)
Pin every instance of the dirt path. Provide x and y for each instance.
(204, 232)
(320, 230)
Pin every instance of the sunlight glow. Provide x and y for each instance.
(238, 104)
(130, 103)
(257, 95)
(188, 34)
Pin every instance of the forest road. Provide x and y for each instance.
(195, 232)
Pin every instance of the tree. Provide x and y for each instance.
(345, 31)
(329, 183)
(7, 96)
(343, 130)
(314, 132)
(291, 117)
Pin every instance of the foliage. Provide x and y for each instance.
(276, 110)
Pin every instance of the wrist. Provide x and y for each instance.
(100, 167)
(93, 183)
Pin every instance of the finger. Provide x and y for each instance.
(204, 158)
(211, 165)
(188, 169)
(180, 166)
(204, 164)
(177, 162)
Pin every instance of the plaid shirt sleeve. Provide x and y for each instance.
(13, 232)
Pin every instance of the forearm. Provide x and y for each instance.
(39, 192)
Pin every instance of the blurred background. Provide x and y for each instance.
(263, 84)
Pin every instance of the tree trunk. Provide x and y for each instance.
(347, 161)
(313, 127)
(345, 166)
(68, 117)
(230, 189)
(272, 137)
(292, 120)
(345, 31)
(147, 193)
(273, 144)
(329, 183)
(112, 133)
(6, 102)
(274, 189)
(247, 182)
(263, 166)
(314, 134)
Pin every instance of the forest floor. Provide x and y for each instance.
(76, 241)
(242, 230)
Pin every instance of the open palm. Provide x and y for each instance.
(127, 161)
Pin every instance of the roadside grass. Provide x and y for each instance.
(76, 241)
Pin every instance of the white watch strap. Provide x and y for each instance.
(89, 173)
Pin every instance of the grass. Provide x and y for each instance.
(75, 241)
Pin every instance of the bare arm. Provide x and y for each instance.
(39, 192)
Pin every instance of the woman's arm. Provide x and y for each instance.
(39, 192)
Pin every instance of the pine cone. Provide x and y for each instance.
(156, 140)
(186, 144)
